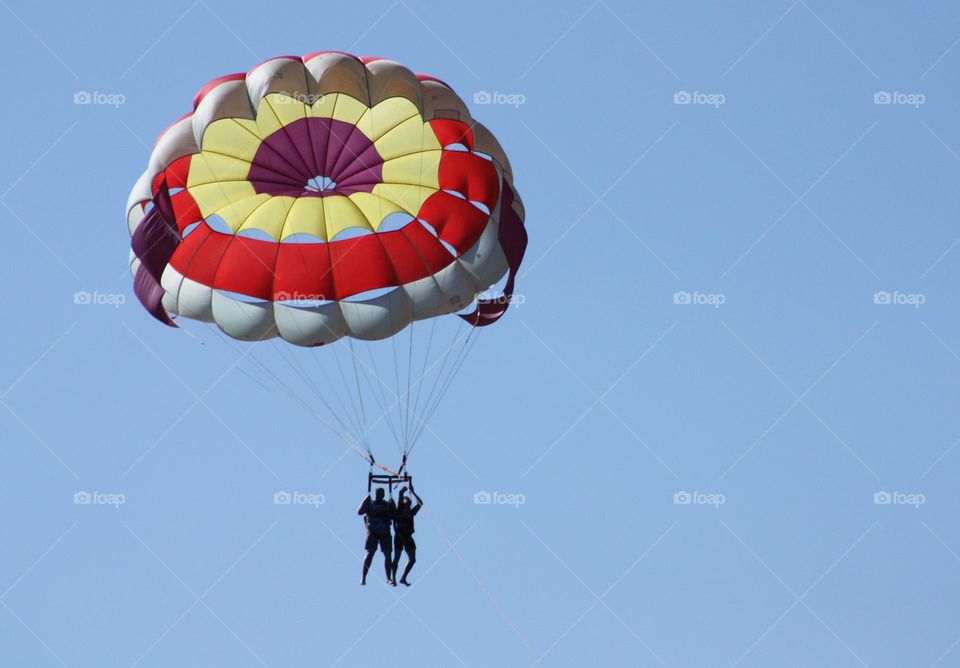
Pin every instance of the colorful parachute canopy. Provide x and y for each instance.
(326, 196)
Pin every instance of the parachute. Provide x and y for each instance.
(325, 200)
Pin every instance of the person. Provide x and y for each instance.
(403, 533)
(378, 514)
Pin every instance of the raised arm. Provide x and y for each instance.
(416, 496)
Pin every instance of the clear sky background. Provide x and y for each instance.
(783, 190)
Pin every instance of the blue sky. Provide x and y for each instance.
(725, 410)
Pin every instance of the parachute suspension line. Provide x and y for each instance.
(363, 412)
(371, 374)
(292, 361)
(346, 436)
(333, 388)
(396, 379)
(220, 353)
(469, 342)
(403, 397)
(421, 381)
(418, 413)
(192, 335)
(410, 410)
(342, 435)
(298, 399)
(348, 421)
(444, 358)
(287, 357)
(378, 393)
(444, 385)
(423, 370)
(346, 386)
(406, 438)
(403, 402)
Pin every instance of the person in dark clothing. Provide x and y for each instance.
(403, 533)
(378, 514)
